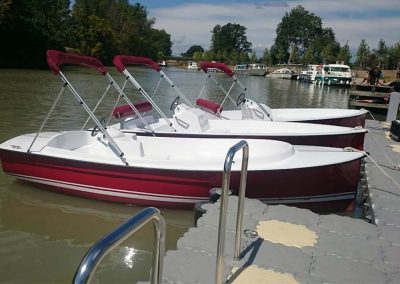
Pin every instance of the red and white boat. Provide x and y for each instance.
(250, 109)
(110, 165)
(208, 120)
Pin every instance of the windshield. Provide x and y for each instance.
(340, 69)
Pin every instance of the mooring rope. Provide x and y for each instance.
(397, 168)
(384, 153)
(386, 174)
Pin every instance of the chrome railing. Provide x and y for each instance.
(100, 249)
(224, 205)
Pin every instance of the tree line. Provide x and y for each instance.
(300, 39)
(104, 28)
(100, 28)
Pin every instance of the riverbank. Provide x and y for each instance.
(388, 75)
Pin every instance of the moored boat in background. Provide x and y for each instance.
(192, 66)
(333, 74)
(282, 73)
(257, 69)
(309, 74)
(241, 69)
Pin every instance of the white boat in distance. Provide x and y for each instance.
(108, 164)
(333, 74)
(192, 66)
(250, 109)
(309, 74)
(205, 119)
(257, 69)
(282, 73)
(241, 69)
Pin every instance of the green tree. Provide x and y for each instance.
(192, 50)
(208, 55)
(160, 41)
(243, 57)
(253, 57)
(394, 56)
(294, 55)
(278, 54)
(197, 56)
(93, 33)
(229, 37)
(309, 57)
(382, 53)
(233, 57)
(302, 29)
(328, 54)
(363, 54)
(344, 54)
(5, 7)
(266, 58)
(104, 28)
(28, 28)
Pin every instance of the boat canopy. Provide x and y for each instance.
(120, 61)
(57, 58)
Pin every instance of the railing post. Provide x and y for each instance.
(100, 249)
(224, 204)
(393, 109)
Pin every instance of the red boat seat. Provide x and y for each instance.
(209, 106)
(126, 110)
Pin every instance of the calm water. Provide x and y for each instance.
(44, 235)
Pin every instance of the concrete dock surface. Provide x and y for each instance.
(282, 244)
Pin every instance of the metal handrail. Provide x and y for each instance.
(224, 204)
(100, 249)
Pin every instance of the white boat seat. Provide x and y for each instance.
(71, 140)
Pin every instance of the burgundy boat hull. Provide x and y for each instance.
(355, 140)
(325, 188)
(353, 121)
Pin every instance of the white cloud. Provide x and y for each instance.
(191, 24)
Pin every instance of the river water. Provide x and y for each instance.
(43, 234)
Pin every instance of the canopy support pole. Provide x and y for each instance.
(48, 115)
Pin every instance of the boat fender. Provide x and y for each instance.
(199, 210)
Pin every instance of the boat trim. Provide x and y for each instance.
(109, 191)
(176, 198)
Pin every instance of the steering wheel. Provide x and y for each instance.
(96, 129)
(174, 103)
(240, 99)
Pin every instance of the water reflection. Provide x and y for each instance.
(44, 235)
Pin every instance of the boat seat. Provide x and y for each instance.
(126, 110)
(126, 115)
(209, 106)
(189, 119)
(71, 140)
(255, 111)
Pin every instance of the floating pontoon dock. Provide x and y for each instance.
(283, 244)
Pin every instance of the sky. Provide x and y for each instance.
(190, 22)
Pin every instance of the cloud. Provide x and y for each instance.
(267, 4)
(191, 24)
(196, 21)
